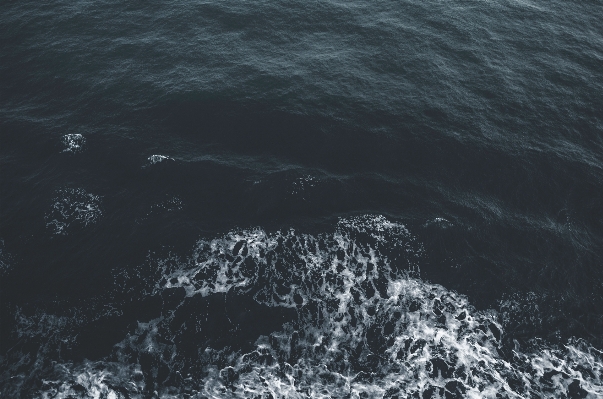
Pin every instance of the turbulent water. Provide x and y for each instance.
(301, 199)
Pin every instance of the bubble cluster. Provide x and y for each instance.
(74, 142)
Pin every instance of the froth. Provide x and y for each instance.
(365, 326)
(153, 159)
(359, 249)
(73, 142)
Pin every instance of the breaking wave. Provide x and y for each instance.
(334, 315)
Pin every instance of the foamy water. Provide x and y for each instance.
(365, 326)
(74, 142)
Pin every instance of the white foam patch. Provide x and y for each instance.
(153, 159)
(439, 222)
(98, 380)
(366, 327)
(73, 207)
(241, 259)
(74, 142)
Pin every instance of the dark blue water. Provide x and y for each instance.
(301, 199)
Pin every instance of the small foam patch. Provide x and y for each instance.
(73, 142)
(153, 159)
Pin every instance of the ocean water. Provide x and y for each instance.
(286, 199)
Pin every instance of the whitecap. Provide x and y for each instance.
(153, 159)
(366, 326)
(74, 142)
